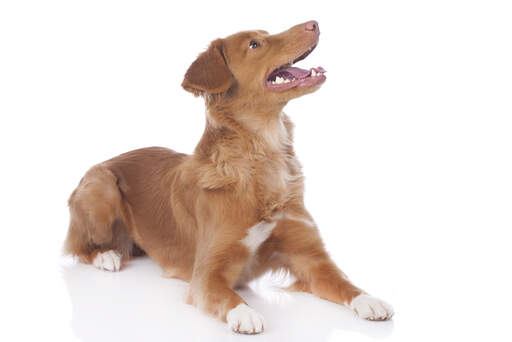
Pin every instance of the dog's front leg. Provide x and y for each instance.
(302, 249)
(211, 288)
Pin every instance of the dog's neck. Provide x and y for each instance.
(259, 129)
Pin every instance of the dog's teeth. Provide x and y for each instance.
(313, 73)
(287, 81)
(279, 80)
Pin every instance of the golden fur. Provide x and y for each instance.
(189, 213)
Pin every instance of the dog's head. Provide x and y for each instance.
(258, 66)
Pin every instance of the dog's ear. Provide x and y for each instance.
(209, 73)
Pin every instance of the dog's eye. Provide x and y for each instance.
(253, 44)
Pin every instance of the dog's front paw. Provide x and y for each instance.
(108, 261)
(371, 308)
(242, 319)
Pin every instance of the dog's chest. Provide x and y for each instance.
(273, 185)
(274, 173)
(256, 236)
(276, 176)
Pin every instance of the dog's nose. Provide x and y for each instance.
(312, 26)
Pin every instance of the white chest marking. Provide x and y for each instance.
(257, 234)
(285, 216)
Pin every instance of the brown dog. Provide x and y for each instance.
(234, 209)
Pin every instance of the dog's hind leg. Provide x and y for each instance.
(97, 234)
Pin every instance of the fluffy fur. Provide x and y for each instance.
(231, 211)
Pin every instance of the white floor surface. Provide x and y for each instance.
(68, 301)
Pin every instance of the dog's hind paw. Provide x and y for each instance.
(108, 261)
(244, 320)
(371, 308)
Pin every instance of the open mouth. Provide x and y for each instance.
(286, 76)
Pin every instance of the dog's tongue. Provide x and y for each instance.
(293, 72)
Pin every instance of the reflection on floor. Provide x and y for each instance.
(137, 304)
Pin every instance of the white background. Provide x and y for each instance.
(407, 152)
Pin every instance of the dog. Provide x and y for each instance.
(234, 209)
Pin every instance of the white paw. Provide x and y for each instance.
(371, 308)
(245, 320)
(108, 261)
